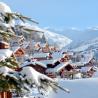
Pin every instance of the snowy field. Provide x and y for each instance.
(81, 88)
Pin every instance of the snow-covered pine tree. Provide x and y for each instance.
(27, 77)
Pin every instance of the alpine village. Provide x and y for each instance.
(33, 59)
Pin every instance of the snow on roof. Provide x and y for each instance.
(34, 63)
(40, 63)
(58, 67)
(78, 63)
(27, 63)
(85, 69)
(56, 55)
(5, 53)
(38, 55)
(87, 56)
(48, 61)
(3, 42)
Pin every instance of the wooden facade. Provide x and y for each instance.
(5, 94)
(37, 67)
(19, 52)
(4, 45)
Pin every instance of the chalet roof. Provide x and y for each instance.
(85, 69)
(58, 68)
(48, 61)
(3, 42)
(18, 51)
(78, 63)
(41, 64)
(34, 63)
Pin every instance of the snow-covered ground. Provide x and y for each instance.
(79, 88)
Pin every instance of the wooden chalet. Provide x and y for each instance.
(38, 66)
(92, 62)
(46, 48)
(68, 71)
(19, 53)
(88, 71)
(4, 45)
(58, 69)
(66, 56)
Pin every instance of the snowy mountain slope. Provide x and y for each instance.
(91, 44)
(78, 36)
(57, 39)
(81, 88)
(52, 38)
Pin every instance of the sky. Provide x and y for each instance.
(58, 13)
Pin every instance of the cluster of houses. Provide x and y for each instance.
(70, 65)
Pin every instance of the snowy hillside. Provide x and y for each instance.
(91, 44)
(78, 36)
(57, 39)
(52, 38)
(81, 88)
